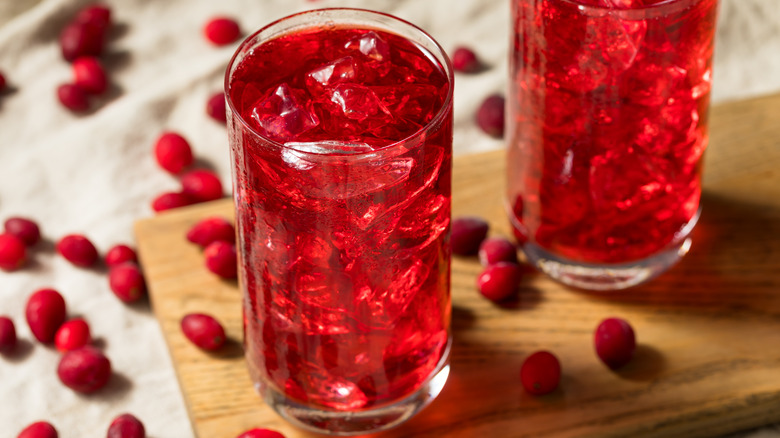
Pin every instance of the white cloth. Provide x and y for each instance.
(95, 174)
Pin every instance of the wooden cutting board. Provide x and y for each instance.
(708, 360)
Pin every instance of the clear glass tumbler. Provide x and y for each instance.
(340, 124)
(607, 114)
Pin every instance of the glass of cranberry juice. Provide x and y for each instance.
(340, 125)
(607, 109)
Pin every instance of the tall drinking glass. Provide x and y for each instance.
(607, 109)
(340, 124)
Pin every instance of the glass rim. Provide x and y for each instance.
(635, 13)
(445, 61)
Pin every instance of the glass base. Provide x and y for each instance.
(604, 277)
(345, 423)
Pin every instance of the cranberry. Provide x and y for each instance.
(82, 39)
(84, 369)
(465, 60)
(169, 200)
(173, 153)
(211, 229)
(7, 335)
(72, 334)
(497, 249)
(490, 116)
(222, 30)
(203, 330)
(615, 342)
(73, 97)
(467, 234)
(39, 429)
(540, 373)
(2, 82)
(78, 250)
(13, 252)
(216, 107)
(221, 258)
(201, 185)
(89, 74)
(500, 280)
(119, 254)
(45, 313)
(126, 426)
(23, 228)
(97, 14)
(261, 433)
(127, 282)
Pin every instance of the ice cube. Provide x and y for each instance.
(284, 114)
(336, 72)
(703, 84)
(617, 39)
(349, 110)
(563, 198)
(653, 84)
(299, 154)
(360, 103)
(585, 74)
(627, 183)
(333, 170)
(430, 157)
(415, 102)
(370, 45)
(337, 393)
(394, 288)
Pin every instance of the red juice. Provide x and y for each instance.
(342, 180)
(608, 108)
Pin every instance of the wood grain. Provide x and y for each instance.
(708, 330)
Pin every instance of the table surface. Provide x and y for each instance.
(701, 368)
(95, 174)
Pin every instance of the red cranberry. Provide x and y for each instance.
(497, 249)
(540, 373)
(465, 60)
(2, 81)
(210, 230)
(173, 153)
(45, 313)
(261, 433)
(82, 39)
(73, 97)
(72, 334)
(203, 330)
(119, 254)
(126, 426)
(39, 429)
(84, 369)
(615, 342)
(89, 74)
(170, 200)
(499, 281)
(7, 335)
(78, 250)
(127, 282)
(222, 30)
(13, 252)
(490, 116)
(467, 234)
(23, 228)
(221, 259)
(97, 14)
(201, 185)
(216, 107)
